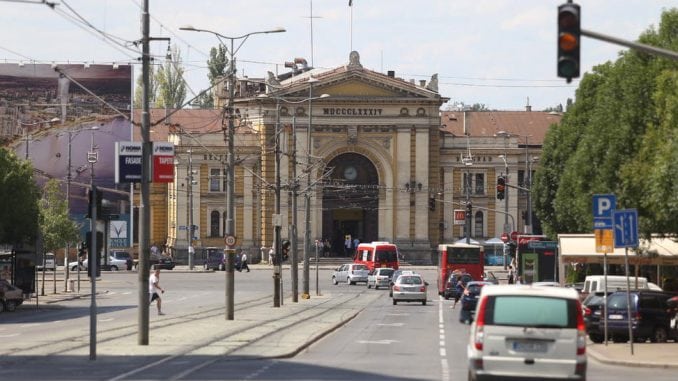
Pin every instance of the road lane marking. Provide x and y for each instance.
(391, 324)
(10, 335)
(385, 341)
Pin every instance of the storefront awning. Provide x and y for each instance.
(581, 248)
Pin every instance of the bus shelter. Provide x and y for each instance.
(581, 248)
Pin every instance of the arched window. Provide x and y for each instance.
(478, 230)
(214, 223)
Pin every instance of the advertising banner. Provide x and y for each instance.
(127, 162)
(163, 162)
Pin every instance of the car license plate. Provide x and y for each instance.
(616, 317)
(529, 346)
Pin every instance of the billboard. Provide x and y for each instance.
(163, 162)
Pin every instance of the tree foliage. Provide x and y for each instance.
(152, 85)
(621, 137)
(56, 226)
(19, 197)
(216, 63)
(171, 84)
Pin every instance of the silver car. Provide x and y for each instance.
(380, 277)
(410, 288)
(350, 273)
(526, 331)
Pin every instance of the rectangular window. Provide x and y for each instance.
(215, 177)
(531, 311)
(480, 183)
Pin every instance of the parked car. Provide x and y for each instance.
(410, 288)
(10, 297)
(450, 291)
(123, 256)
(214, 259)
(112, 265)
(593, 309)
(350, 273)
(527, 330)
(380, 277)
(469, 300)
(651, 316)
(49, 261)
(159, 261)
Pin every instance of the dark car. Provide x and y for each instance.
(159, 261)
(451, 284)
(651, 316)
(469, 300)
(593, 311)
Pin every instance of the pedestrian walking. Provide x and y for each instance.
(511, 275)
(459, 288)
(243, 262)
(155, 290)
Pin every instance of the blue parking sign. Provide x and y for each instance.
(625, 228)
(603, 207)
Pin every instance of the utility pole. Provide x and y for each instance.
(92, 263)
(68, 210)
(293, 226)
(189, 231)
(277, 268)
(307, 192)
(145, 207)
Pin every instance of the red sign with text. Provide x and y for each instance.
(163, 162)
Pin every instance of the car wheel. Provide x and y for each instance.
(369, 285)
(395, 302)
(659, 335)
(376, 287)
(596, 338)
(423, 302)
(114, 268)
(10, 305)
(74, 268)
(348, 280)
(334, 281)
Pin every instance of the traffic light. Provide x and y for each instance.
(501, 187)
(285, 249)
(469, 210)
(432, 204)
(99, 199)
(569, 40)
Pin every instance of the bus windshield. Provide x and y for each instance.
(463, 256)
(385, 256)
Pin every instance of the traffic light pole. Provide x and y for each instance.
(632, 45)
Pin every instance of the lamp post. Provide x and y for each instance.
(229, 231)
(27, 137)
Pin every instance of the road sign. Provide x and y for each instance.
(626, 228)
(603, 207)
(604, 241)
(229, 240)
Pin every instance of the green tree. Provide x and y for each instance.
(618, 137)
(171, 85)
(153, 86)
(19, 197)
(56, 226)
(216, 63)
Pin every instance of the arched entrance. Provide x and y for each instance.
(351, 201)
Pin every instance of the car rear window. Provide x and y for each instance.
(618, 300)
(408, 279)
(360, 267)
(386, 255)
(386, 272)
(531, 311)
(474, 288)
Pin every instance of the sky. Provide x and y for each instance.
(500, 53)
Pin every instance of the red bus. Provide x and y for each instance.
(376, 255)
(461, 257)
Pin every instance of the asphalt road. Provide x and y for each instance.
(384, 342)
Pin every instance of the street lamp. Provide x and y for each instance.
(27, 137)
(229, 231)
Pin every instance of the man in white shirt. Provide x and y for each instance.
(155, 290)
(243, 262)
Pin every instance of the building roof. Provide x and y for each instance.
(190, 120)
(533, 124)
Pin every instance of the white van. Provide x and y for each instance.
(526, 330)
(596, 283)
